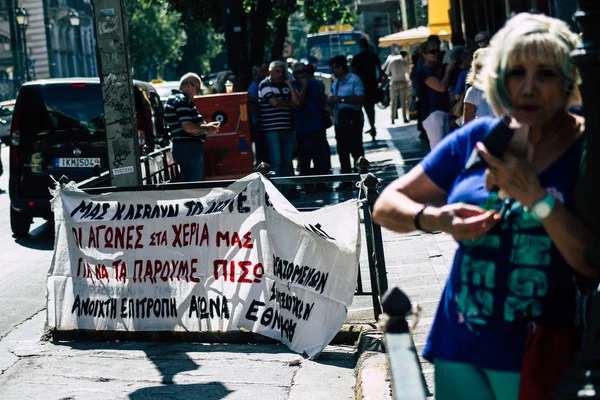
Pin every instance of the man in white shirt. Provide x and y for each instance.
(398, 70)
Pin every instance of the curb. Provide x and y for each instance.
(348, 334)
(371, 371)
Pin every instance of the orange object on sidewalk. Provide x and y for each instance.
(227, 155)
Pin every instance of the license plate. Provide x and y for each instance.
(77, 162)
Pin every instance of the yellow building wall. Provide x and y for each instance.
(439, 16)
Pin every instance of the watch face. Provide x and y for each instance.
(542, 210)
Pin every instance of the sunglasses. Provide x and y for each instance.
(433, 51)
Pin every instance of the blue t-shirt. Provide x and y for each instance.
(253, 93)
(430, 100)
(308, 118)
(509, 277)
(461, 81)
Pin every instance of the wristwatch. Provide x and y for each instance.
(542, 209)
(343, 100)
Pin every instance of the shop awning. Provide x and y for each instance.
(412, 36)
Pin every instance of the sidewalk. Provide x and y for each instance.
(418, 263)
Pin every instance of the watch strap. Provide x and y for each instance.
(416, 221)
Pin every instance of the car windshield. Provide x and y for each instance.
(67, 108)
(6, 109)
(164, 91)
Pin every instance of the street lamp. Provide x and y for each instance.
(73, 18)
(22, 17)
(74, 22)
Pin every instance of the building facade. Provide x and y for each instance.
(469, 17)
(57, 42)
(378, 18)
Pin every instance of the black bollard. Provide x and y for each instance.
(405, 369)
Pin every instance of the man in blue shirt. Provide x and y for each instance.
(308, 122)
(347, 96)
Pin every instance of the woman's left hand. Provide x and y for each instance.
(513, 176)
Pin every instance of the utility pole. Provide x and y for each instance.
(404, 15)
(117, 92)
(582, 380)
(236, 41)
(15, 46)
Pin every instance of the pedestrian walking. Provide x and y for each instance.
(277, 97)
(432, 91)
(367, 66)
(259, 72)
(188, 129)
(398, 71)
(309, 124)
(475, 103)
(510, 318)
(347, 96)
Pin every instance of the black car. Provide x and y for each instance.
(58, 129)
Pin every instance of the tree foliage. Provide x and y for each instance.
(266, 22)
(329, 12)
(156, 36)
(204, 44)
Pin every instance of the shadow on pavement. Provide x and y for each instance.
(206, 391)
(172, 358)
(407, 141)
(41, 238)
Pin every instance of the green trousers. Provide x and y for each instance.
(455, 381)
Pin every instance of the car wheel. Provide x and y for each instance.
(19, 223)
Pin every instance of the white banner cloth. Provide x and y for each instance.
(203, 260)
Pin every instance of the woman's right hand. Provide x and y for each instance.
(462, 221)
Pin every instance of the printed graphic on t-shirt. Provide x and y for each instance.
(525, 247)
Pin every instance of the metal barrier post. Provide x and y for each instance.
(166, 172)
(264, 169)
(405, 369)
(377, 271)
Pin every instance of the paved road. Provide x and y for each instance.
(23, 264)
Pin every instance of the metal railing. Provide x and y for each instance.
(157, 167)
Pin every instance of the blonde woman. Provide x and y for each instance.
(518, 260)
(475, 103)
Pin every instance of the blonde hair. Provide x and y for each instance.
(524, 38)
(477, 65)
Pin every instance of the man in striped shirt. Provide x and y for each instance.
(188, 129)
(276, 97)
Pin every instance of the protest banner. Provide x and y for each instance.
(203, 260)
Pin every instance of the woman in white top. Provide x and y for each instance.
(475, 104)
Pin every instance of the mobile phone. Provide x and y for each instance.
(496, 141)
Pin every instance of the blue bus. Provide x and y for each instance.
(332, 41)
